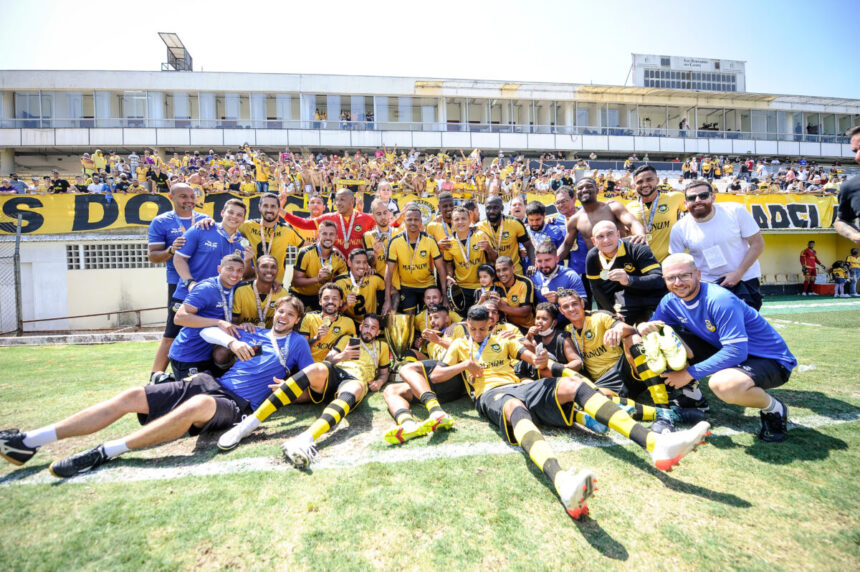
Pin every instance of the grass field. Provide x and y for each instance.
(461, 500)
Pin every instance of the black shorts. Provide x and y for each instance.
(619, 379)
(165, 397)
(411, 299)
(540, 398)
(446, 391)
(183, 369)
(766, 373)
(336, 378)
(312, 303)
(637, 315)
(171, 330)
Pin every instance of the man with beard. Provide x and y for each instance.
(316, 265)
(324, 328)
(518, 299)
(316, 207)
(594, 211)
(539, 229)
(433, 296)
(270, 236)
(200, 404)
(724, 240)
(552, 277)
(464, 254)
(625, 277)
(377, 239)
(342, 381)
(411, 257)
(505, 235)
(166, 236)
(657, 211)
(364, 288)
(740, 352)
(351, 224)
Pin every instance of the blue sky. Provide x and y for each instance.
(791, 47)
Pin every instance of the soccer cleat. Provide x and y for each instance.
(574, 491)
(230, 439)
(670, 448)
(774, 425)
(300, 451)
(653, 356)
(593, 424)
(691, 397)
(688, 416)
(402, 433)
(434, 423)
(673, 349)
(80, 463)
(13, 449)
(663, 425)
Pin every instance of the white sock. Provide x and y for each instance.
(41, 436)
(115, 448)
(774, 406)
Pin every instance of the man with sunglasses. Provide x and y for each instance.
(724, 240)
(731, 343)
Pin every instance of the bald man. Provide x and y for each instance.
(351, 224)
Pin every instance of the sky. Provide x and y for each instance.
(790, 47)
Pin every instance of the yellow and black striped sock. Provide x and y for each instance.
(428, 399)
(602, 409)
(640, 412)
(533, 443)
(332, 414)
(291, 389)
(401, 416)
(655, 384)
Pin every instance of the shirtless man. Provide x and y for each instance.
(594, 211)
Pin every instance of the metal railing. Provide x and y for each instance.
(136, 311)
(450, 127)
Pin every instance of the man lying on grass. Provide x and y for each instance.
(167, 411)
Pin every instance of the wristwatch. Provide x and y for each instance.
(188, 283)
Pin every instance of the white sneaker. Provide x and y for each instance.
(574, 491)
(300, 451)
(671, 447)
(239, 431)
(845, 296)
(653, 356)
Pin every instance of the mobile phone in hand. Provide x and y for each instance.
(354, 342)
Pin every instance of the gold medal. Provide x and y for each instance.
(604, 274)
(648, 237)
(261, 324)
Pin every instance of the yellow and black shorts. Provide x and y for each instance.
(539, 397)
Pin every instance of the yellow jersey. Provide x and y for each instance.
(309, 262)
(373, 357)
(248, 305)
(414, 264)
(853, 261)
(494, 359)
(421, 321)
(597, 357)
(465, 256)
(667, 208)
(520, 293)
(371, 290)
(340, 326)
(507, 239)
(273, 241)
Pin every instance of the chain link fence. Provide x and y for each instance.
(9, 276)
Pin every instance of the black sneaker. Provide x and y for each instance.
(774, 425)
(159, 377)
(663, 425)
(690, 397)
(690, 415)
(13, 449)
(80, 463)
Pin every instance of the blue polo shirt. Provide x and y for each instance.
(204, 249)
(576, 258)
(165, 229)
(251, 379)
(565, 278)
(210, 299)
(726, 322)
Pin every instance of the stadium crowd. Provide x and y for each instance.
(605, 317)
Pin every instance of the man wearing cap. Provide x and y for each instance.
(57, 184)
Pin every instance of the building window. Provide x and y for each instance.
(664, 62)
(108, 256)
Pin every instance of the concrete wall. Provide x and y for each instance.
(97, 291)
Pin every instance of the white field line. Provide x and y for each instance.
(350, 458)
(795, 323)
(801, 306)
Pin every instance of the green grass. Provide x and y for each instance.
(736, 504)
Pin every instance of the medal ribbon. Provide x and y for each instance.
(260, 312)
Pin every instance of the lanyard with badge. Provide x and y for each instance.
(261, 313)
(227, 301)
(607, 265)
(576, 342)
(650, 224)
(346, 234)
(327, 262)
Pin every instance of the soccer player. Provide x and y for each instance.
(270, 235)
(342, 381)
(254, 301)
(809, 264)
(411, 257)
(377, 239)
(166, 236)
(433, 296)
(731, 342)
(200, 404)
(364, 288)
(465, 255)
(350, 224)
(443, 230)
(505, 235)
(547, 334)
(657, 211)
(316, 265)
(324, 328)
(518, 299)
(625, 277)
(539, 229)
(514, 407)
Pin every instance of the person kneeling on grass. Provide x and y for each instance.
(362, 363)
(514, 406)
(731, 342)
(199, 404)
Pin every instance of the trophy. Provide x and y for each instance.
(398, 334)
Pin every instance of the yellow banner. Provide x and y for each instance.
(67, 213)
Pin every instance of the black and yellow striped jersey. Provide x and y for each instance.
(520, 293)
